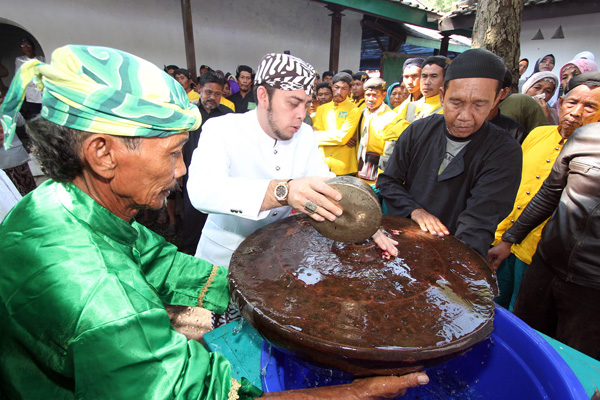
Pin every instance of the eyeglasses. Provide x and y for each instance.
(26, 45)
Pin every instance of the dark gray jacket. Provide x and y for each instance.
(474, 192)
(570, 243)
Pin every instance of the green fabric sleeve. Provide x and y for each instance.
(180, 278)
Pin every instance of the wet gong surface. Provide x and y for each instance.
(350, 307)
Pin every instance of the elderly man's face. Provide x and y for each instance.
(373, 99)
(146, 175)
(432, 79)
(467, 102)
(581, 106)
(210, 95)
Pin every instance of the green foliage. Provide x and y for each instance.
(441, 5)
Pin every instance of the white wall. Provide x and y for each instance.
(226, 32)
(582, 32)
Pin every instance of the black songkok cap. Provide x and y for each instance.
(342, 76)
(360, 76)
(413, 61)
(476, 63)
(440, 61)
(589, 79)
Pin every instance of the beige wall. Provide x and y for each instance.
(226, 32)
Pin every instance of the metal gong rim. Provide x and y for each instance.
(316, 299)
(361, 216)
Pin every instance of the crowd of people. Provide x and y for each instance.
(447, 145)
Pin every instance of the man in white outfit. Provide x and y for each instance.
(252, 169)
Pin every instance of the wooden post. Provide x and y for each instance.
(444, 45)
(188, 38)
(336, 31)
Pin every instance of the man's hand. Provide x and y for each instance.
(315, 190)
(351, 142)
(429, 223)
(379, 387)
(386, 243)
(498, 253)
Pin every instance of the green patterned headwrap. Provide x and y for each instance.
(102, 90)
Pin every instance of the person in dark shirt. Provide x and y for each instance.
(514, 129)
(244, 99)
(211, 89)
(457, 173)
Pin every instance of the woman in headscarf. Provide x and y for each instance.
(396, 94)
(541, 86)
(545, 63)
(574, 68)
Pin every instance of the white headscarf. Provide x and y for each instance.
(541, 76)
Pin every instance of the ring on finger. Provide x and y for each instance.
(310, 207)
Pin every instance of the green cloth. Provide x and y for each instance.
(102, 90)
(81, 304)
(525, 110)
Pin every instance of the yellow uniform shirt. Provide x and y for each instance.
(372, 128)
(193, 95)
(423, 107)
(335, 125)
(227, 103)
(540, 150)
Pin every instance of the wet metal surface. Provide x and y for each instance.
(362, 212)
(346, 306)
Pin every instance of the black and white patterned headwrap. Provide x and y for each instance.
(286, 72)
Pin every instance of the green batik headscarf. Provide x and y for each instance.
(102, 90)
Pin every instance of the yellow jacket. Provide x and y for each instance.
(372, 128)
(193, 95)
(540, 150)
(228, 103)
(424, 107)
(334, 127)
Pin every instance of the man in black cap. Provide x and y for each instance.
(456, 173)
(244, 99)
(560, 291)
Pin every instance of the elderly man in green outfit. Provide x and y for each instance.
(82, 284)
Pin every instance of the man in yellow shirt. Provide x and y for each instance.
(357, 89)
(335, 123)
(183, 77)
(431, 82)
(376, 116)
(579, 106)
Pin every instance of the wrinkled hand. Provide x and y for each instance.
(429, 223)
(351, 142)
(542, 103)
(316, 190)
(498, 253)
(385, 243)
(379, 387)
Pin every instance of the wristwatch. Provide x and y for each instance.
(281, 192)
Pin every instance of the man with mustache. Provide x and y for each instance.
(456, 173)
(335, 124)
(580, 106)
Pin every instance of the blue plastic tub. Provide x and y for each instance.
(515, 363)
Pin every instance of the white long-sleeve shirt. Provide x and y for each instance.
(229, 175)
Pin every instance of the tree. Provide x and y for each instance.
(497, 28)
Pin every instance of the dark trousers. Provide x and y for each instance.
(565, 311)
(193, 222)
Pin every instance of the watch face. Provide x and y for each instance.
(281, 192)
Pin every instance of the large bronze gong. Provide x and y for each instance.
(351, 307)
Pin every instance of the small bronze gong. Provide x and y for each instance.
(351, 307)
(361, 216)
